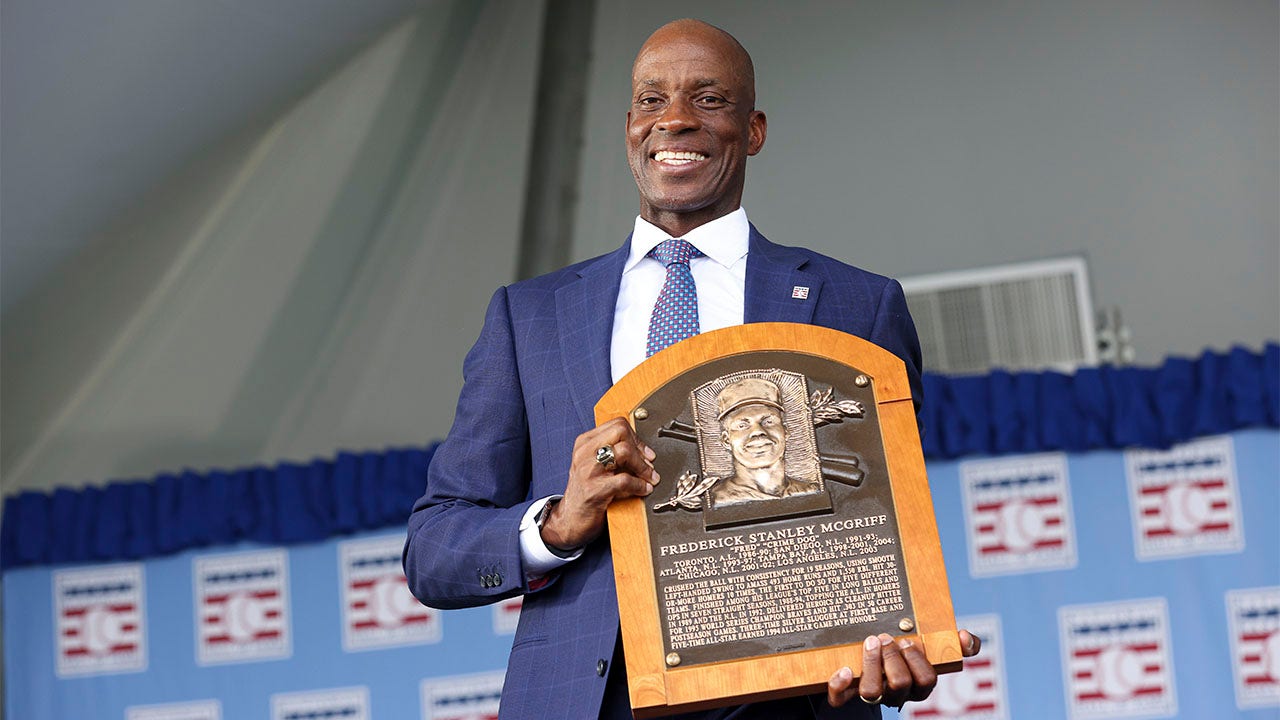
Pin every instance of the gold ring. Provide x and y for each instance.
(606, 458)
(874, 701)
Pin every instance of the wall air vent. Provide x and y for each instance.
(1025, 316)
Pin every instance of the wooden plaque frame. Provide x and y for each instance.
(657, 689)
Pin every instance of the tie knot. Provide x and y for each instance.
(675, 251)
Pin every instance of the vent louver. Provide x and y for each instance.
(1028, 316)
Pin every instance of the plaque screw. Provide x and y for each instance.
(641, 414)
(673, 659)
(906, 625)
(862, 381)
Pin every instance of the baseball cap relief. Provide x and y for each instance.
(748, 391)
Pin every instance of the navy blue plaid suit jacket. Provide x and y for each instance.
(531, 384)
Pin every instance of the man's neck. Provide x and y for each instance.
(678, 225)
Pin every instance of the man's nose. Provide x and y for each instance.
(679, 116)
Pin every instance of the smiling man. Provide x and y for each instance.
(692, 125)
(516, 494)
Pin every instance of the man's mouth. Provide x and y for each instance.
(678, 157)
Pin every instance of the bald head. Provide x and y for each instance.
(692, 125)
(688, 31)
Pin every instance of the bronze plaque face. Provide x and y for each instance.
(774, 528)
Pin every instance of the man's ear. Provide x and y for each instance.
(757, 129)
(724, 439)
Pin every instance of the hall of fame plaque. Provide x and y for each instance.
(793, 520)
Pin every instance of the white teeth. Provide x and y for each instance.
(678, 158)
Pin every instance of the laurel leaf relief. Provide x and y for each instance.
(689, 491)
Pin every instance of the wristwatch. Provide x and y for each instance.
(541, 518)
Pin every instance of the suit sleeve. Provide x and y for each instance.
(895, 331)
(463, 546)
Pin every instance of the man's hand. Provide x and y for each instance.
(892, 672)
(579, 518)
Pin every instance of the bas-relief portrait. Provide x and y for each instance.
(760, 460)
(755, 433)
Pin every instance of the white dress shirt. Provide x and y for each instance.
(720, 277)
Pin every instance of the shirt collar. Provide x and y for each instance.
(724, 239)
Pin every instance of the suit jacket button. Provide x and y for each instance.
(497, 579)
(601, 666)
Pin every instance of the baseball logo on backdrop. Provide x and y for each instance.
(506, 615)
(1185, 501)
(462, 697)
(378, 610)
(978, 693)
(1018, 515)
(99, 620)
(197, 710)
(344, 703)
(1118, 660)
(1253, 619)
(242, 607)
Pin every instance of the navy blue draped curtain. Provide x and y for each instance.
(994, 414)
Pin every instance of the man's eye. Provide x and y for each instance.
(711, 101)
(648, 102)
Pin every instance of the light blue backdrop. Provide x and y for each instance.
(1028, 652)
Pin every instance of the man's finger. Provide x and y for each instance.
(840, 687)
(624, 458)
(970, 644)
(630, 454)
(630, 463)
(871, 686)
(897, 676)
(628, 485)
(632, 460)
(606, 433)
(923, 677)
(589, 443)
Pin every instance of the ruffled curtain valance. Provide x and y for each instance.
(290, 503)
(1105, 407)
(995, 414)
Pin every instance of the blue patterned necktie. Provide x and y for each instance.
(675, 314)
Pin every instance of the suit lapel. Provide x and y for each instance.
(584, 316)
(584, 310)
(777, 287)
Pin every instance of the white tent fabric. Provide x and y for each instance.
(297, 305)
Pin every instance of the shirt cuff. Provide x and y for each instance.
(537, 557)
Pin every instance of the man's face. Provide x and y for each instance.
(691, 127)
(755, 435)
